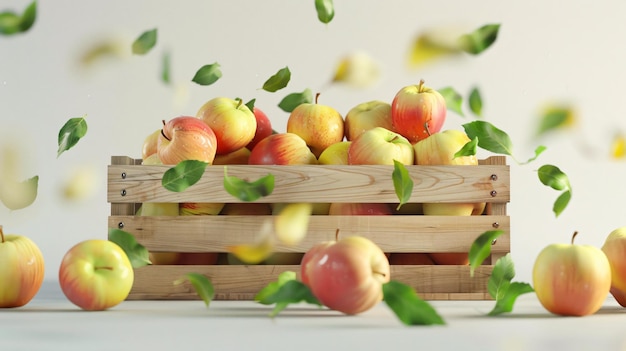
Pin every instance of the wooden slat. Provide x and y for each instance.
(122, 208)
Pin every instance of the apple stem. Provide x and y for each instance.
(162, 133)
(337, 234)
(420, 86)
(573, 236)
(427, 129)
(383, 274)
(317, 95)
(239, 102)
(107, 268)
(1, 235)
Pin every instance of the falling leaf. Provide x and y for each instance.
(555, 117)
(325, 10)
(481, 248)
(480, 39)
(207, 74)
(12, 23)
(476, 102)
(433, 45)
(357, 70)
(201, 284)
(99, 50)
(292, 223)
(185, 174)
(71, 132)
(553, 177)
(293, 100)
(165, 68)
(402, 183)
(255, 253)
(137, 253)
(248, 191)
(16, 195)
(145, 42)
(278, 80)
(81, 183)
(618, 146)
(469, 149)
(454, 100)
(408, 306)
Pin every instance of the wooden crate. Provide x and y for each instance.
(130, 184)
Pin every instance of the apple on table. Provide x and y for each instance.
(614, 248)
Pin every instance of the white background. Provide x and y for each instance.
(545, 52)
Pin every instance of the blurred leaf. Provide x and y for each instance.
(469, 149)
(291, 291)
(553, 177)
(618, 146)
(16, 195)
(13, 23)
(481, 248)
(561, 202)
(325, 10)
(291, 101)
(165, 68)
(185, 174)
(71, 132)
(489, 137)
(273, 287)
(145, 42)
(358, 70)
(207, 74)
(248, 191)
(402, 183)
(137, 253)
(538, 151)
(454, 100)
(476, 102)
(431, 46)
(554, 118)
(506, 302)
(480, 39)
(257, 252)
(201, 284)
(80, 184)
(99, 50)
(278, 80)
(292, 223)
(408, 306)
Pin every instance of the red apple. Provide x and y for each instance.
(346, 275)
(380, 146)
(358, 208)
(417, 111)
(263, 127)
(186, 138)
(319, 125)
(282, 149)
(571, 279)
(231, 120)
(367, 115)
(615, 249)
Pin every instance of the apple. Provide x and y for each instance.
(263, 127)
(571, 279)
(200, 208)
(21, 270)
(231, 120)
(410, 258)
(282, 149)
(615, 250)
(186, 138)
(358, 208)
(318, 208)
(335, 154)
(346, 275)
(367, 115)
(150, 144)
(237, 157)
(380, 146)
(96, 274)
(417, 111)
(318, 125)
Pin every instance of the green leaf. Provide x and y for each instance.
(291, 291)
(506, 302)
(489, 137)
(145, 42)
(480, 39)
(250, 104)
(201, 284)
(481, 248)
(12, 23)
(402, 183)
(165, 68)
(501, 276)
(553, 177)
(248, 191)
(561, 202)
(71, 132)
(137, 253)
(273, 287)
(207, 74)
(469, 149)
(538, 151)
(185, 174)
(476, 102)
(291, 101)
(454, 100)
(278, 80)
(325, 10)
(408, 307)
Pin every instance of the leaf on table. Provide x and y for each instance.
(433, 45)
(71, 132)
(165, 68)
(480, 39)
(254, 253)
(208, 74)
(454, 100)
(273, 287)
(501, 287)
(13, 23)
(292, 223)
(325, 10)
(137, 253)
(248, 191)
(201, 284)
(16, 195)
(469, 149)
(555, 117)
(358, 70)
(291, 101)
(481, 248)
(185, 174)
(408, 306)
(145, 42)
(289, 292)
(278, 81)
(476, 102)
(402, 183)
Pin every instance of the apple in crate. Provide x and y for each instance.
(263, 127)
(186, 138)
(418, 111)
(359, 208)
(282, 149)
(231, 120)
(150, 144)
(21, 270)
(237, 157)
(367, 115)
(346, 275)
(335, 154)
(571, 279)
(380, 146)
(96, 274)
(615, 250)
(319, 125)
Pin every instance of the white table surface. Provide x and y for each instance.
(50, 322)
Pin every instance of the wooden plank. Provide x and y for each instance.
(122, 208)
(392, 233)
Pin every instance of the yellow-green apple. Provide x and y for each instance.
(21, 270)
(335, 154)
(96, 274)
(417, 111)
(380, 146)
(410, 258)
(615, 249)
(367, 115)
(150, 144)
(263, 127)
(359, 208)
(282, 149)
(346, 275)
(571, 279)
(237, 157)
(319, 125)
(186, 138)
(231, 120)
(318, 208)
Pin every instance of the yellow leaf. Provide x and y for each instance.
(256, 252)
(618, 146)
(292, 223)
(433, 45)
(358, 70)
(107, 48)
